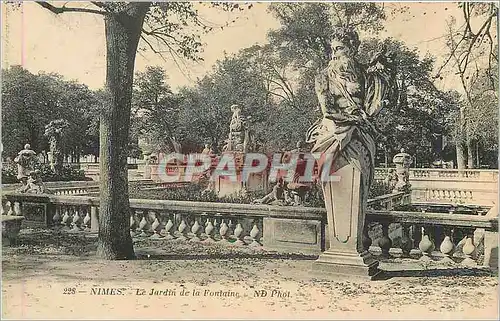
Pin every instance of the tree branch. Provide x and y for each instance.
(59, 10)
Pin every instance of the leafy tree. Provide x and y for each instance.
(306, 27)
(175, 26)
(155, 108)
(420, 115)
(473, 56)
(31, 101)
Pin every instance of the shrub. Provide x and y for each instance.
(68, 173)
(193, 192)
(9, 173)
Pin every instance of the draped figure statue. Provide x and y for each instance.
(349, 94)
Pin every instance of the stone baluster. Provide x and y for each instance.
(223, 231)
(57, 217)
(133, 223)
(143, 225)
(17, 209)
(1, 209)
(426, 246)
(447, 247)
(366, 240)
(76, 220)
(238, 234)
(182, 229)
(94, 219)
(209, 228)
(65, 219)
(168, 229)
(385, 242)
(10, 211)
(156, 228)
(406, 242)
(203, 226)
(254, 235)
(87, 220)
(468, 251)
(216, 223)
(195, 229)
(416, 235)
(230, 229)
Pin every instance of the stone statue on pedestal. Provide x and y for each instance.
(240, 137)
(54, 131)
(349, 94)
(25, 160)
(403, 162)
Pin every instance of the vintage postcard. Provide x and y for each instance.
(249, 160)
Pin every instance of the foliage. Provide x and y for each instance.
(30, 102)
(194, 192)
(68, 173)
(154, 107)
(304, 35)
(9, 173)
(422, 113)
(473, 42)
(473, 56)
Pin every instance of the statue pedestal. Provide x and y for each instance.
(256, 181)
(344, 201)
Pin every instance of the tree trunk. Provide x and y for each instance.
(470, 154)
(460, 156)
(478, 160)
(123, 30)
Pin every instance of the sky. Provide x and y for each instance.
(73, 44)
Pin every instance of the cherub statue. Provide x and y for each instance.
(34, 184)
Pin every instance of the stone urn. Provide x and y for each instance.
(11, 225)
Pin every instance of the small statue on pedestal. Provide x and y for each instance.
(25, 160)
(54, 131)
(403, 162)
(240, 137)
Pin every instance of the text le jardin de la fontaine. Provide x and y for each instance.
(182, 292)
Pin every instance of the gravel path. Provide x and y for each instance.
(195, 280)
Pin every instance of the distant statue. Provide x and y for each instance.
(240, 136)
(26, 160)
(54, 131)
(403, 162)
(349, 95)
(176, 145)
(206, 150)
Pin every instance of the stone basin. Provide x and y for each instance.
(11, 225)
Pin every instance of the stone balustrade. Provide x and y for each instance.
(434, 185)
(453, 238)
(489, 175)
